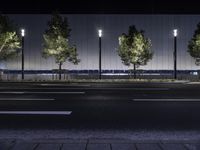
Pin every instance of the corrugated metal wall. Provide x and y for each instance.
(84, 34)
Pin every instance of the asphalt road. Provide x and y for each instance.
(100, 109)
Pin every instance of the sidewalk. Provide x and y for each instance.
(96, 144)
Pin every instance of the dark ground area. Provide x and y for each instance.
(130, 111)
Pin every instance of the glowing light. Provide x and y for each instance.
(22, 32)
(100, 33)
(175, 32)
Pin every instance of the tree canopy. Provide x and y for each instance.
(194, 45)
(9, 39)
(56, 41)
(134, 47)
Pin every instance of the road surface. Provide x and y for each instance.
(128, 111)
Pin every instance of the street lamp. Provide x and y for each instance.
(100, 35)
(175, 33)
(22, 35)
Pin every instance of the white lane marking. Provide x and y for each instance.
(9, 92)
(55, 92)
(25, 99)
(36, 112)
(63, 85)
(95, 88)
(140, 89)
(151, 89)
(192, 83)
(161, 100)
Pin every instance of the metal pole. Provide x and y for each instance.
(99, 57)
(22, 57)
(175, 57)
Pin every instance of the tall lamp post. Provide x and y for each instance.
(100, 35)
(22, 35)
(175, 33)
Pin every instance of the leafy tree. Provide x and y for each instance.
(134, 48)
(56, 42)
(194, 45)
(9, 40)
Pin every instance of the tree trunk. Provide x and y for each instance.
(60, 70)
(134, 71)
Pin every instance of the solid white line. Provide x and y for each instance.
(192, 83)
(63, 85)
(54, 92)
(88, 88)
(57, 92)
(150, 89)
(7, 92)
(168, 100)
(10, 92)
(36, 112)
(25, 99)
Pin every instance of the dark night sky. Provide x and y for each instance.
(101, 6)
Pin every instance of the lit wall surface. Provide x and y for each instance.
(159, 28)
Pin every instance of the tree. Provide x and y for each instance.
(134, 48)
(10, 41)
(194, 45)
(56, 42)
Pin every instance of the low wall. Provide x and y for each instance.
(46, 77)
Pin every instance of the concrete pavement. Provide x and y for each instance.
(96, 144)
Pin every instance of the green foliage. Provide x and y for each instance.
(194, 45)
(134, 48)
(56, 41)
(58, 26)
(9, 40)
